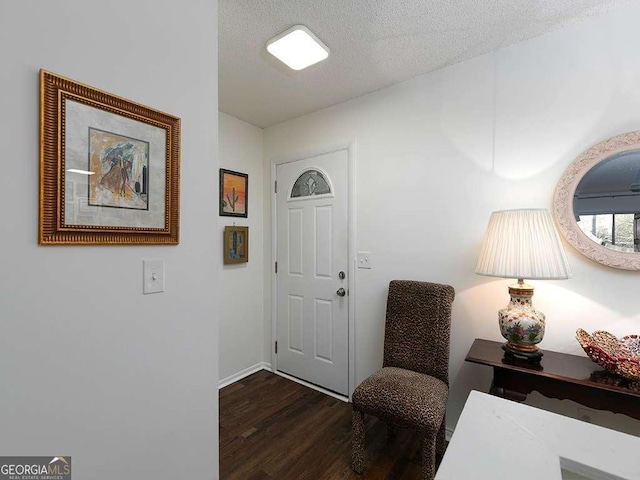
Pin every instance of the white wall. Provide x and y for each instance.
(437, 154)
(241, 285)
(125, 384)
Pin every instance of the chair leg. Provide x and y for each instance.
(428, 457)
(441, 441)
(357, 441)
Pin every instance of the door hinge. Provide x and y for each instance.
(276, 267)
(275, 187)
(276, 346)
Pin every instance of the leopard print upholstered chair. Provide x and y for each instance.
(411, 389)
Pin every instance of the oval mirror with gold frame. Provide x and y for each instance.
(597, 202)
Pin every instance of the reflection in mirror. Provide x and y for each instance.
(612, 230)
(606, 202)
(597, 202)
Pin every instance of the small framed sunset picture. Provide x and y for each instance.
(234, 189)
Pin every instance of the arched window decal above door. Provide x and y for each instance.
(311, 183)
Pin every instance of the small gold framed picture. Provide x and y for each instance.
(236, 244)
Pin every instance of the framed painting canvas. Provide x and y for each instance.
(109, 168)
(234, 189)
(236, 244)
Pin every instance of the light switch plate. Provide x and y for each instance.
(153, 276)
(365, 260)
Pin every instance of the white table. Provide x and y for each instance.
(500, 439)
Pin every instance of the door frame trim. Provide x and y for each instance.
(350, 147)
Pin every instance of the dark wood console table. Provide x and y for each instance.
(559, 375)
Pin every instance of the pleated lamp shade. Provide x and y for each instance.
(522, 244)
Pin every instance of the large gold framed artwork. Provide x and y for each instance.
(109, 168)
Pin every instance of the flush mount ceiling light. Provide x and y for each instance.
(297, 48)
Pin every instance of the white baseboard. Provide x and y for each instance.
(243, 373)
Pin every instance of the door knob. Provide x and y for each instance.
(341, 292)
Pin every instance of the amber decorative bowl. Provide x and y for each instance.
(620, 356)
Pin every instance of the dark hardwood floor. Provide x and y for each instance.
(273, 428)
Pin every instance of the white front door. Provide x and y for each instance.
(311, 281)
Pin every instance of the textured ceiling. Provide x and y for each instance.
(373, 43)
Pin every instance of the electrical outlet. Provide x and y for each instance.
(365, 260)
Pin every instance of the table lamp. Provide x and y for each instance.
(522, 244)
